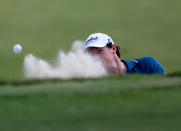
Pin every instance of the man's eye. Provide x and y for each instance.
(99, 51)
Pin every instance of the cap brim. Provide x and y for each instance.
(95, 44)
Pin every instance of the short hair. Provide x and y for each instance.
(109, 45)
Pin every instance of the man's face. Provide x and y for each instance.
(105, 54)
(109, 58)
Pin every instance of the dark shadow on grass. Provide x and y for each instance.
(57, 80)
(51, 80)
(174, 74)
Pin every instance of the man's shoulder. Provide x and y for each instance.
(150, 65)
(147, 59)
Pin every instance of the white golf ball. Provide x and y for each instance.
(17, 48)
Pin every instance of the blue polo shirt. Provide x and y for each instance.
(144, 65)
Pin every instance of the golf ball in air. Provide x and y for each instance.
(17, 48)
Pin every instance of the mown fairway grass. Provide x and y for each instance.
(43, 27)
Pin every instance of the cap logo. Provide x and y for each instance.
(92, 39)
(109, 40)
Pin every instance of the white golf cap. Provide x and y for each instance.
(98, 40)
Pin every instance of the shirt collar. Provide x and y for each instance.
(130, 64)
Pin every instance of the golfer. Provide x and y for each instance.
(102, 46)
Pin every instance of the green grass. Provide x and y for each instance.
(140, 28)
(111, 103)
(133, 102)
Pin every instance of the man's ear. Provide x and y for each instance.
(114, 47)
